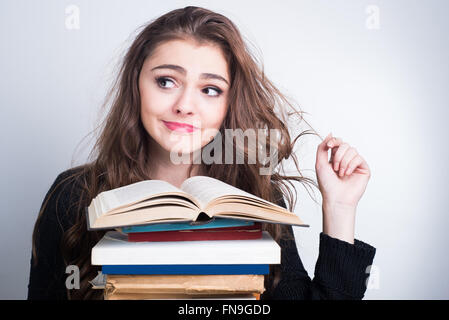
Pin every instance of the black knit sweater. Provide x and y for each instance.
(340, 271)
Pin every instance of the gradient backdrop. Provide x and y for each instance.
(374, 73)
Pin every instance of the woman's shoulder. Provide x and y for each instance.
(64, 194)
(68, 182)
(65, 175)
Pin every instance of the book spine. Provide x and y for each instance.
(216, 223)
(232, 233)
(191, 269)
(200, 236)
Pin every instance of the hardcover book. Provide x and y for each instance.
(231, 233)
(115, 249)
(199, 200)
(185, 284)
(187, 269)
(213, 223)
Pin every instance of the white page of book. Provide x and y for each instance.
(206, 189)
(154, 202)
(115, 249)
(135, 192)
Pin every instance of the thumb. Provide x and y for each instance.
(322, 156)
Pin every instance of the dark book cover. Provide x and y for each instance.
(232, 233)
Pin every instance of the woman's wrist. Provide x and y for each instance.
(339, 221)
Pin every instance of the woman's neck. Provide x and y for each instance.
(162, 168)
(173, 173)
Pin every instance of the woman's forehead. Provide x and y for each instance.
(191, 56)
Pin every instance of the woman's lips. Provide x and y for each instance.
(180, 127)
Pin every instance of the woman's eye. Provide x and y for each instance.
(216, 90)
(162, 82)
(165, 84)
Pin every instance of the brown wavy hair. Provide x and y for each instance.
(121, 154)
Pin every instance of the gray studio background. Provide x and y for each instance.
(374, 73)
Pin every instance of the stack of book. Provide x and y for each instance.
(203, 240)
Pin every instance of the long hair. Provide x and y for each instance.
(121, 154)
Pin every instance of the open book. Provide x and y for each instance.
(199, 200)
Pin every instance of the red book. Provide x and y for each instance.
(231, 233)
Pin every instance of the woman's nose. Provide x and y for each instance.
(181, 110)
(185, 105)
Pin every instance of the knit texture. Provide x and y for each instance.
(340, 271)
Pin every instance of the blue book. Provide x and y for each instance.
(215, 223)
(190, 269)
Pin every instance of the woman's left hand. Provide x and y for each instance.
(342, 179)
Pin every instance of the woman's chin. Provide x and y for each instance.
(181, 151)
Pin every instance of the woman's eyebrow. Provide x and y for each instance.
(183, 71)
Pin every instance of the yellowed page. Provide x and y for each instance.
(239, 210)
(185, 284)
(163, 296)
(133, 193)
(168, 199)
(207, 189)
(169, 213)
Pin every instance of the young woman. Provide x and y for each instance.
(190, 73)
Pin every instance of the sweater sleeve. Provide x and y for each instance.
(47, 276)
(340, 271)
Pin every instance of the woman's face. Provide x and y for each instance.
(184, 94)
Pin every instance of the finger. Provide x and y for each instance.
(348, 156)
(326, 140)
(353, 164)
(333, 152)
(339, 155)
(333, 144)
(322, 151)
(362, 166)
